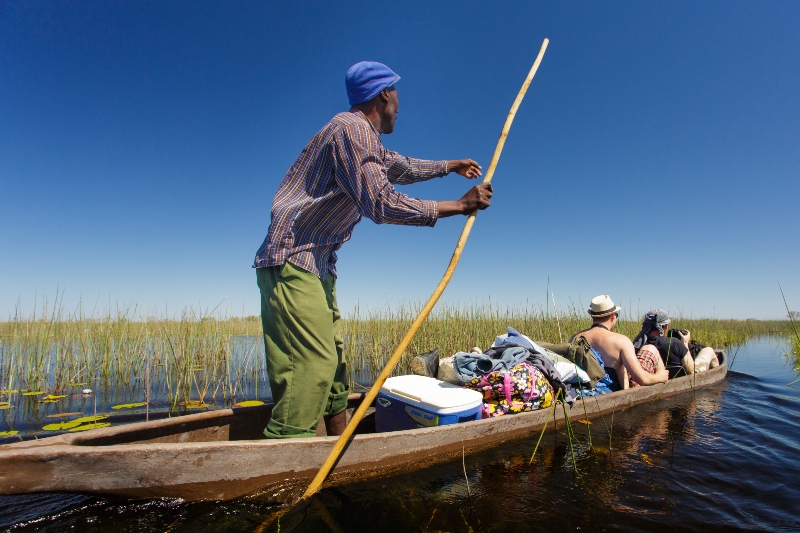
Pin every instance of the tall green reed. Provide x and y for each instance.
(794, 342)
(370, 336)
(184, 359)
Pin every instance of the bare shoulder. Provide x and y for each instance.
(584, 332)
(621, 340)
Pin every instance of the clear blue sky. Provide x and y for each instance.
(655, 158)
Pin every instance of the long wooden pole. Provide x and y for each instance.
(333, 457)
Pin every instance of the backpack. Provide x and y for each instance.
(579, 352)
(521, 388)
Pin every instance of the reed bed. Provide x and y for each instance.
(371, 336)
(794, 349)
(121, 357)
(203, 358)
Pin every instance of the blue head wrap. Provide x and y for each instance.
(366, 79)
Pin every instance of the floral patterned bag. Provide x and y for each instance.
(522, 388)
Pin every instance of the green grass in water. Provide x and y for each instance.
(193, 355)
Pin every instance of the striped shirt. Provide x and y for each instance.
(344, 173)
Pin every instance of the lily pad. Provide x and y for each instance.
(77, 384)
(194, 404)
(129, 405)
(4, 392)
(95, 418)
(61, 426)
(8, 433)
(249, 403)
(52, 398)
(32, 393)
(64, 415)
(197, 368)
(92, 426)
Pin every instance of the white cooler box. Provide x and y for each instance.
(409, 402)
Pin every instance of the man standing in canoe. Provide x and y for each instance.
(343, 174)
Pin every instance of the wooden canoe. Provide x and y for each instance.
(219, 455)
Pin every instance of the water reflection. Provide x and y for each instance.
(146, 390)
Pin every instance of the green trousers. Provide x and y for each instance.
(303, 342)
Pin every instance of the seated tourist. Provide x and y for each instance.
(674, 350)
(616, 350)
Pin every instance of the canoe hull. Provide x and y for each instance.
(176, 458)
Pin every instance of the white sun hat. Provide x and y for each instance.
(603, 305)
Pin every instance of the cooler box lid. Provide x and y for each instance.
(431, 391)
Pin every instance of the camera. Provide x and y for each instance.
(674, 333)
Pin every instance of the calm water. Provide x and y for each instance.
(723, 458)
(121, 396)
